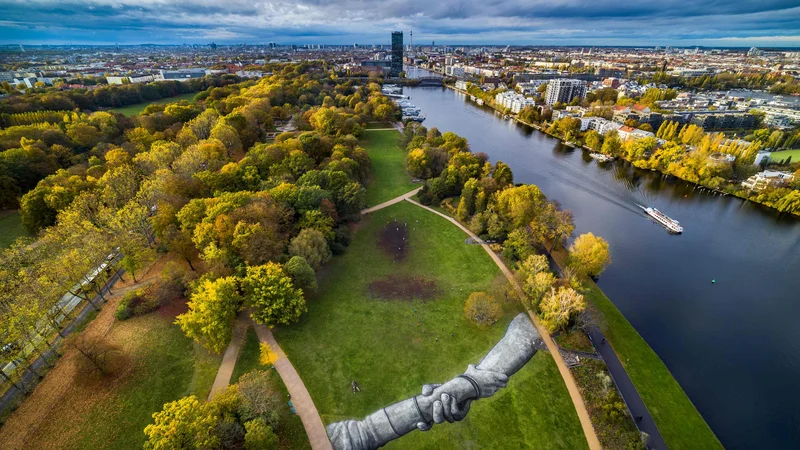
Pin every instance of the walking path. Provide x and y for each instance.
(301, 399)
(569, 381)
(399, 199)
(641, 416)
(225, 370)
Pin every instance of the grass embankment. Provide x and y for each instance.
(11, 228)
(781, 155)
(389, 176)
(290, 431)
(136, 108)
(680, 423)
(158, 364)
(393, 347)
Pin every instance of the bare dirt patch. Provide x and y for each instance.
(393, 239)
(402, 287)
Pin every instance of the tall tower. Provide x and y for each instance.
(397, 53)
(411, 42)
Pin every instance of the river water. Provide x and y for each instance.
(734, 345)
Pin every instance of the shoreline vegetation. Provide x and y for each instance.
(521, 219)
(789, 204)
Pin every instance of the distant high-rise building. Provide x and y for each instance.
(564, 90)
(397, 53)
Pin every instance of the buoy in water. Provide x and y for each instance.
(713, 281)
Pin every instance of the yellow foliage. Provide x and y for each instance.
(268, 356)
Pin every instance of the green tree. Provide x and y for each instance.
(593, 140)
(535, 278)
(212, 309)
(302, 274)
(259, 436)
(272, 295)
(187, 423)
(312, 246)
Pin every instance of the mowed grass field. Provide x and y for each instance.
(676, 416)
(10, 228)
(389, 177)
(69, 411)
(290, 431)
(135, 109)
(780, 156)
(393, 347)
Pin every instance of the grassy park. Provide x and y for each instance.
(136, 108)
(157, 364)
(10, 228)
(392, 346)
(784, 154)
(389, 177)
(290, 431)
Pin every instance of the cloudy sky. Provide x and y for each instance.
(524, 22)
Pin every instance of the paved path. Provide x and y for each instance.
(569, 381)
(399, 199)
(301, 399)
(628, 391)
(225, 371)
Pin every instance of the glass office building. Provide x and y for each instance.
(397, 53)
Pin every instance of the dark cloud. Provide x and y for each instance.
(587, 22)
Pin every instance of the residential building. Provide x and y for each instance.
(767, 178)
(564, 90)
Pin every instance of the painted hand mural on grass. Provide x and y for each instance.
(438, 403)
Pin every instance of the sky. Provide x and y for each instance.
(721, 23)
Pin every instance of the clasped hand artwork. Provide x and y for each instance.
(442, 402)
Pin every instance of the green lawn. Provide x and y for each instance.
(389, 177)
(780, 156)
(394, 347)
(168, 366)
(135, 109)
(10, 229)
(290, 429)
(676, 416)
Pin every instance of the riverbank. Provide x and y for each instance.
(674, 413)
(541, 128)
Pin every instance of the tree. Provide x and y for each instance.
(312, 246)
(259, 399)
(559, 307)
(593, 140)
(98, 355)
(212, 309)
(187, 423)
(482, 309)
(611, 144)
(259, 436)
(589, 254)
(536, 279)
(272, 295)
(302, 274)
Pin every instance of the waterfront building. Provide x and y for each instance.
(767, 178)
(397, 53)
(564, 90)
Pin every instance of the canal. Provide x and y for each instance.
(734, 345)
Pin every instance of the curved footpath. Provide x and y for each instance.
(566, 375)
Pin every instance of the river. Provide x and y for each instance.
(734, 345)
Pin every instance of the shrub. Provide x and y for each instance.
(259, 436)
(482, 309)
(138, 302)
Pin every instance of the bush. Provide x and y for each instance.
(138, 302)
(259, 436)
(482, 309)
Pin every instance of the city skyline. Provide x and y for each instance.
(453, 22)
